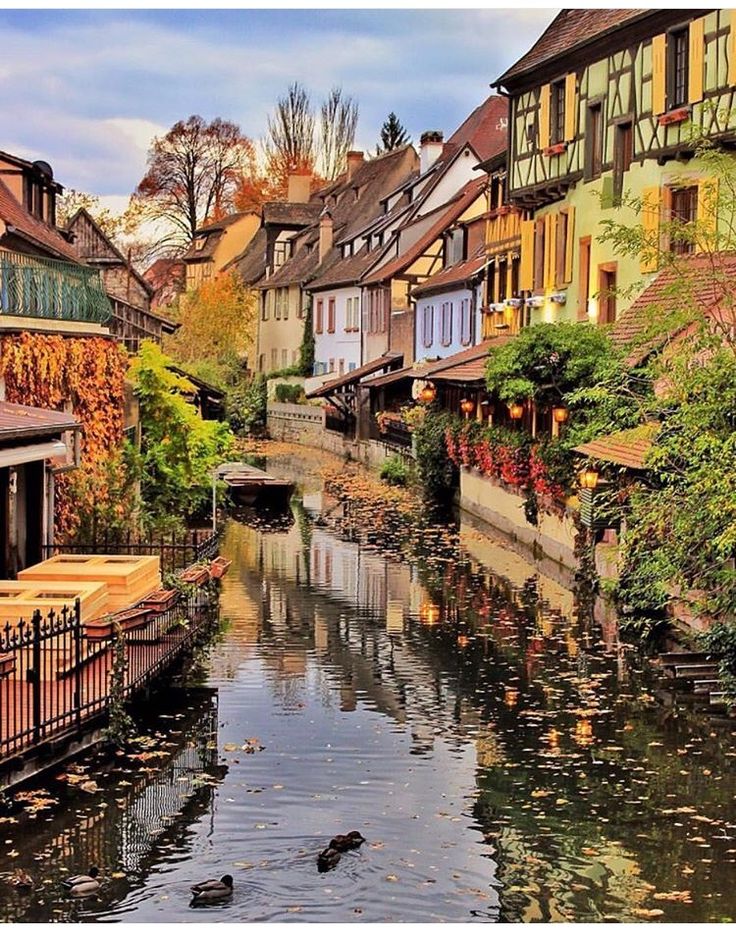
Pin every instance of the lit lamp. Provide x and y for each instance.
(467, 407)
(427, 394)
(560, 413)
(516, 411)
(588, 478)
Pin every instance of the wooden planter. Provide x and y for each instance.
(7, 665)
(219, 567)
(97, 630)
(161, 600)
(197, 576)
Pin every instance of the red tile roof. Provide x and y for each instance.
(467, 366)
(569, 30)
(485, 129)
(18, 421)
(354, 376)
(457, 205)
(624, 448)
(36, 231)
(453, 276)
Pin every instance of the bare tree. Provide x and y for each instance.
(338, 122)
(290, 143)
(192, 175)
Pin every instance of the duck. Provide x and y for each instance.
(350, 841)
(84, 884)
(213, 889)
(21, 880)
(328, 859)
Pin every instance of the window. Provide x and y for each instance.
(594, 142)
(331, 366)
(561, 250)
(531, 134)
(684, 211)
(319, 319)
(284, 357)
(281, 303)
(677, 67)
(623, 153)
(557, 102)
(341, 366)
(465, 323)
(454, 247)
(352, 366)
(428, 326)
(264, 306)
(446, 324)
(606, 294)
(199, 243)
(274, 359)
(352, 313)
(584, 278)
(331, 314)
(281, 253)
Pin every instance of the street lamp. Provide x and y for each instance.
(560, 413)
(588, 478)
(427, 394)
(516, 411)
(467, 407)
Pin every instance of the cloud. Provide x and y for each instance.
(87, 90)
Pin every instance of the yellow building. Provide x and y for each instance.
(215, 245)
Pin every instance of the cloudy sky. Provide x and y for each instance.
(86, 90)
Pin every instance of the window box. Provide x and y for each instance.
(161, 600)
(103, 628)
(219, 567)
(677, 116)
(555, 150)
(196, 575)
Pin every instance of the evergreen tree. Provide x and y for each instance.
(393, 135)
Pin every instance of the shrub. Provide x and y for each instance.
(247, 406)
(395, 471)
(288, 393)
(437, 473)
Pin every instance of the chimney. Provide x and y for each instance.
(299, 187)
(355, 159)
(325, 235)
(430, 148)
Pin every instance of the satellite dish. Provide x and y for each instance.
(43, 167)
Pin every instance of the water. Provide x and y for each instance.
(504, 761)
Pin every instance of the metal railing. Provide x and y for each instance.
(393, 432)
(339, 423)
(48, 289)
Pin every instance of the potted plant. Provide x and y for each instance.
(161, 600)
(198, 574)
(103, 628)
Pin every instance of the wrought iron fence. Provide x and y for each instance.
(47, 289)
(175, 553)
(393, 432)
(56, 671)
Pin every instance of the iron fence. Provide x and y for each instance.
(56, 672)
(394, 433)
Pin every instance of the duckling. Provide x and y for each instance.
(84, 884)
(328, 859)
(349, 841)
(21, 880)
(213, 889)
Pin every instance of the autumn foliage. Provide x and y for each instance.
(88, 374)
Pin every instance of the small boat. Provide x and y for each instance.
(249, 486)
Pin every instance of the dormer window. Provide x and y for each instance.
(199, 242)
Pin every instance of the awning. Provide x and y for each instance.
(625, 448)
(20, 422)
(389, 378)
(354, 377)
(33, 452)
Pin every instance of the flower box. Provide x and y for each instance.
(219, 567)
(555, 150)
(97, 630)
(196, 575)
(674, 117)
(161, 600)
(7, 664)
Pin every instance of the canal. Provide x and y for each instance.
(505, 758)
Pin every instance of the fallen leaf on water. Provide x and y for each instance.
(648, 913)
(682, 896)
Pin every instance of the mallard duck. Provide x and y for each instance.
(84, 884)
(21, 880)
(349, 841)
(328, 859)
(213, 889)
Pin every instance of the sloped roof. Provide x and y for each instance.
(83, 215)
(251, 263)
(474, 356)
(212, 234)
(624, 448)
(291, 213)
(354, 376)
(33, 229)
(485, 129)
(569, 30)
(700, 281)
(455, 207)
(18, 421)
(453, 276)
(391, 378)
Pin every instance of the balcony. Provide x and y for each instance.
(393, 432)
(36, 288)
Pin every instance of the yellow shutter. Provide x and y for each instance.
(571, 106)
(550, 251)
(732, 48)
(570, 243)
(659, 65)
(650, 209)
(707, 213)
(509, 273)
(526, 263)
(544, 112)
(696, 65)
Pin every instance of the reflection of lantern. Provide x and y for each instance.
(427, 394)
(429, 613)
(588, 478)
(467, 407)
(511, 697)
(516, 411)
(560, 413)
(584, 732)
(463, 641)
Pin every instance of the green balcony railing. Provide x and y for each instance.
(48, 289)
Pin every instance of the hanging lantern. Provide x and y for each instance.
(467, 406)
(516, 411)
(560, 413)
(427, 394)
(588, 478)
